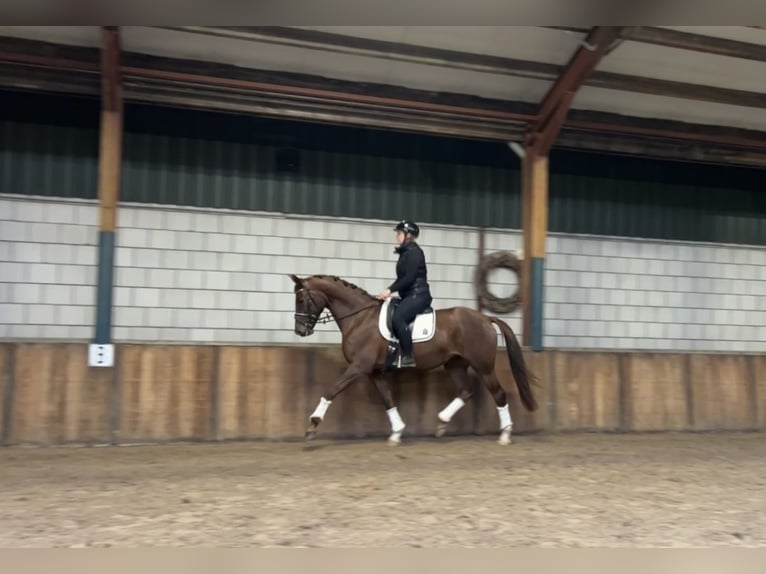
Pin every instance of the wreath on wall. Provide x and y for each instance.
(488, 301)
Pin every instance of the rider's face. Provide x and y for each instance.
(400, 237)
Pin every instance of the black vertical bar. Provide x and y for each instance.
(104, 289)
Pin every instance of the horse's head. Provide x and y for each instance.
(309, 304)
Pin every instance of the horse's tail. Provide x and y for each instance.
(518, 366)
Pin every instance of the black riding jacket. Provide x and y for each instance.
(411, 272)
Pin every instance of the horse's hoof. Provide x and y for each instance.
(395, 439)
(504, 441)
(505, 437)
(311, 435)
(441, 429)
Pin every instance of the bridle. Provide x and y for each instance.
(311, 318)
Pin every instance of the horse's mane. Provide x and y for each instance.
(345, 284)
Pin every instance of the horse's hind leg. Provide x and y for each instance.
(458, 371)
(501, 402)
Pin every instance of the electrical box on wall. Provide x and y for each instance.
(100, 355)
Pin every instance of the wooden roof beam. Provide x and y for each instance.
(556, 103)
(39, 65)
(381, 49)
(685, 41)
(111, 81)
(452, 59)
(696, 42)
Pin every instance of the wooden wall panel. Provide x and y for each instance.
(721, 391)
(87, 397)
(587, 392)
(57, 398)
(230, 403)
(6, 380)
(656, 388)
(523, 421)
(758, 365)
(283, 397)
(195, 394)
(35, 403)
(261, 392)
(160, 393)
(165, 392)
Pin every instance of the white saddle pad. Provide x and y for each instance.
(423, 327)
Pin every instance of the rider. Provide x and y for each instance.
(411, 284)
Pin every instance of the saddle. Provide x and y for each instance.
(423, 327)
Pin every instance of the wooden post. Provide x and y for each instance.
(535, 226)
(539, 139)
(526, 227)
(110, 157)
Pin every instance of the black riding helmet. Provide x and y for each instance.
(408, 227)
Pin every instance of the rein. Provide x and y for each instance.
(313, 319)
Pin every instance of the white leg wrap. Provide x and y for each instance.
(397, 424)
(446, 414)
(321, 409)
(505, 417)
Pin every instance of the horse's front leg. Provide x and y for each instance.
(353, 372)
(397, 424)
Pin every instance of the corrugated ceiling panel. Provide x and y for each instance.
(651, 106)
(331, 64)
(738, 33)
(650, 61)
(525, 42)
(71, 35)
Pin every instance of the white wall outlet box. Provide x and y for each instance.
(100, 355)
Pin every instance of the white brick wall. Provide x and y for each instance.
(47, 268)
(223, 277)
(619, 293)
(204, 276)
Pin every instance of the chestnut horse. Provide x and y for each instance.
(462, 338)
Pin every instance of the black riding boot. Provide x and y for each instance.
(405, 357)
(406, 312)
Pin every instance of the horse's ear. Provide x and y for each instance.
(295, 279)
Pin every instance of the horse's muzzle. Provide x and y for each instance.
(304, 324)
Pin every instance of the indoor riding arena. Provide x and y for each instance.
(599, 190)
